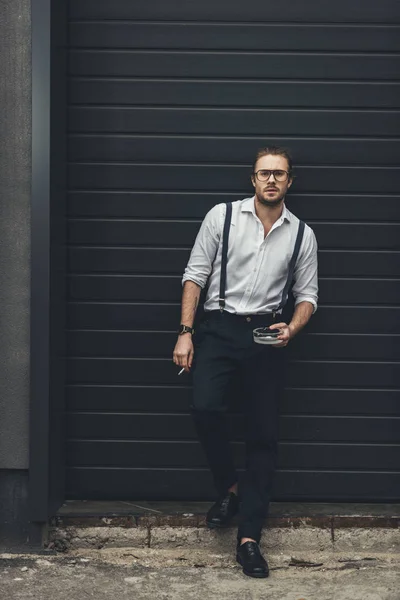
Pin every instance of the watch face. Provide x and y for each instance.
(185, 328)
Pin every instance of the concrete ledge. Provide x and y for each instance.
(278, 540)
(192, 514)
(313, 527)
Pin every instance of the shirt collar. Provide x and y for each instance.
(249, 206)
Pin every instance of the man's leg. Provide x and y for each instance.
(263, 378)
(213, 367)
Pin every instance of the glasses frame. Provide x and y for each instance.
(272, 171)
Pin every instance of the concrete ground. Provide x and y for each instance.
(162, 551)
(188, 573)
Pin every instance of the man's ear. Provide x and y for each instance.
(252, 181)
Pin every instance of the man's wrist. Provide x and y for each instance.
(185, 329)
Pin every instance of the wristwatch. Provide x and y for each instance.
(185, 329)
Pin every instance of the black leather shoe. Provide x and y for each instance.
(222, 512)
(249, 556)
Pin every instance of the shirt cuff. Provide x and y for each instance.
(194, 279)
(306, 299)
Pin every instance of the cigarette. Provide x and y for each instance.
(181, 371)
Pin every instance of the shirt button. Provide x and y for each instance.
(248, 319)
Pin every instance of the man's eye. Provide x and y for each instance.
(280, 173)
(264, 173)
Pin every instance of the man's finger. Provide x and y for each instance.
(282, 335)
(278, 325)
(281, 345)
(179, 360)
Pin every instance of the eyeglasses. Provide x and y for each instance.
(265, 174)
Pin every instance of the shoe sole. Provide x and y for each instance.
(256, 575)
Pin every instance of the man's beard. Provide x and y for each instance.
(271, 203)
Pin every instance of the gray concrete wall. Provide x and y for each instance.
(15, 182)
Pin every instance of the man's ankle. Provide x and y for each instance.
(234, 489)
(245, 539)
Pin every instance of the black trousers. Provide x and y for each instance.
(224, 344)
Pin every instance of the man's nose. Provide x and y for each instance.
(271, 175)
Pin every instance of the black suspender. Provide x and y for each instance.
(224, 260)
(292, 265)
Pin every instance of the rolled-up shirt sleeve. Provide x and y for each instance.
(305, 287)
(205, 248)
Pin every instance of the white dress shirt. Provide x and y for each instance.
(257, 266)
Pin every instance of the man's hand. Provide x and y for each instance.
(184, 351)
(285, 334)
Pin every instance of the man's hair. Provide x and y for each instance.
(275, 151)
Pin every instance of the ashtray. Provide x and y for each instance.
(265, 335)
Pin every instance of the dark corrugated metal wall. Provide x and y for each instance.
(168, 102)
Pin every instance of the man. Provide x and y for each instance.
(253, 280)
